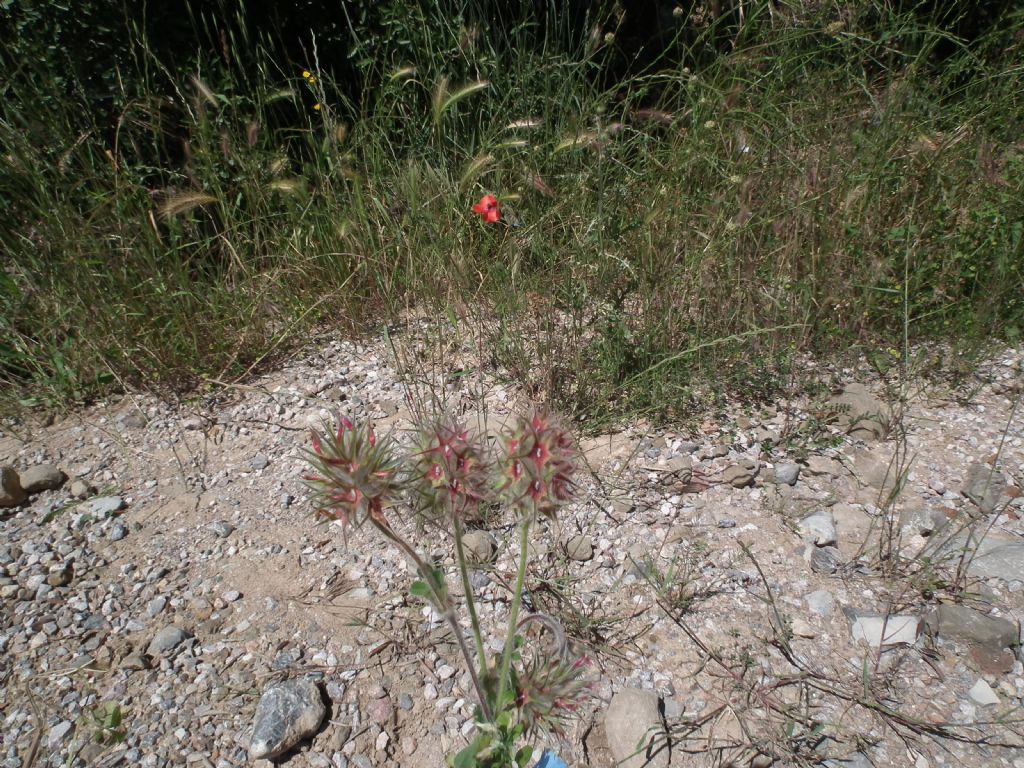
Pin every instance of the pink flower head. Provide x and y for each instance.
(488, 209)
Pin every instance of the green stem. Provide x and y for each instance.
(513, 617)
(443, 602)
(470, 601)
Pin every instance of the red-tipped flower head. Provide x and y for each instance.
(450, 467)
(355, 476)
(539, 464)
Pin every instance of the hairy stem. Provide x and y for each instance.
(513, 617)
(467, 588)
(444, 603)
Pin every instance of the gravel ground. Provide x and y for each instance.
(742, 570)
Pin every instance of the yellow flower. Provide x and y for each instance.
(308, 76)
(316, 107)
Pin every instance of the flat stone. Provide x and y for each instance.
(824, 559)
(922, 518)
(874, 469)
(802, 629)
(103, 506)
(787, 474)
(479, 546)
(634, 730)
(135, 662)
(860, 414)
(819, 528)
(740, 475)
(963, 623)
(42, 477)
(11, 492)
(678, 468)
(58, 732)
(992, 661)
(287, 713)
(380, 710)
(167, 639)
(820, 602)
(877, 631)
(982, 693)
(259, 461)
(996, 560)
(823, 466)
(580, 548)
(984, 486)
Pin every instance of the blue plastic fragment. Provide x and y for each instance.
(550, 760)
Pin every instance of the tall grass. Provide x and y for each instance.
(681, 226)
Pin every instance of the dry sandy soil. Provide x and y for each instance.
(690, 567)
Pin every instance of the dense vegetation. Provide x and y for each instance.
(689, 190)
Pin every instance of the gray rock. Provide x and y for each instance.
(984, 486)
(44, 477)
(221, 528)
(103, 506)
(922, 518)
(856, 760)
(861, 414)
(877, 631)
(479, 546)
(156, 606)
(61, 577)
(787, 474)
(11, 492)
(740, 475)
(824, 559)
(678, 468)
(820, 602)
(982, 693)
(635, 731)
(874, 468)
(963, 623)
(133, 420)
(819, 528)
(259, 461)
(135, 662)
(716, 451)
(80, 489)
(287, 713)
(1001, 561)
(167, 639)
(580, 548)
(118, 530)
(823, 466)
(58, 732)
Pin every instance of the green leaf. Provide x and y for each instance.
(466, 758)
(421, 590)
(523, 756)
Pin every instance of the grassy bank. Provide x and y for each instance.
(823, 181)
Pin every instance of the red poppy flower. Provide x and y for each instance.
(488, 209)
